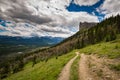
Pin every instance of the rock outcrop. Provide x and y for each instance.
(84, 25)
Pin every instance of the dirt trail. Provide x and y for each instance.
(91, 67)
(65, 74)
(84, 73)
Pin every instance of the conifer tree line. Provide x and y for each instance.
(107, 30)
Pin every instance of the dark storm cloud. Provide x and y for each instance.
(25, 14)
(18, 11)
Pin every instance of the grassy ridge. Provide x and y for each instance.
(74, 69)
(43, 70)
(109, 49)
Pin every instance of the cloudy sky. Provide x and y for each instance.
(56, 18)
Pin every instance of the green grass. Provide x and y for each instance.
(109, 49)
(74, 69)
(115, 67)
(43, 70)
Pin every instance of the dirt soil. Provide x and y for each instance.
(92, 67)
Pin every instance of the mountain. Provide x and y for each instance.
(84, 25)
(40, 41)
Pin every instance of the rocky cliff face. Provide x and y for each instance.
(84, 25)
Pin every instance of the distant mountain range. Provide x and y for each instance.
(40, 41)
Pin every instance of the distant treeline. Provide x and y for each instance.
(107, 30)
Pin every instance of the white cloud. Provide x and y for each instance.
(110, 7)
(44, 18)
(85, 2)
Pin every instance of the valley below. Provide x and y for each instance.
(15, 49)
(19, 45)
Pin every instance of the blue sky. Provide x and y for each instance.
(3, 23)
(90, 9)
(56, 18)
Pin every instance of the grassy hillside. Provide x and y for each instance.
(108, 49)
(43, 70)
